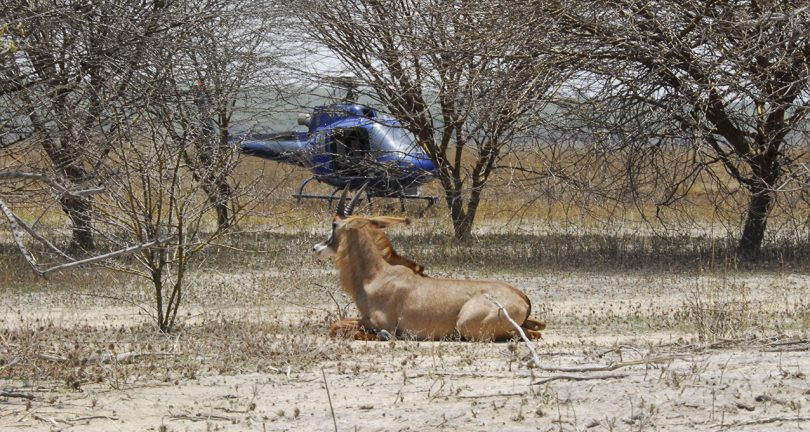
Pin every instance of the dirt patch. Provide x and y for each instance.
(622, 352)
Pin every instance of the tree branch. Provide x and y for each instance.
(529, 344)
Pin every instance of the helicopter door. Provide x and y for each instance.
(351, 152)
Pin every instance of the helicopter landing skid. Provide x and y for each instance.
(431, 200)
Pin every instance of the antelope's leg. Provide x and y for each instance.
(351, 328)
(532, 328)
(532, 334)
(480, 320)
(532, 324)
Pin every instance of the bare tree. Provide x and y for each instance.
(101, 115)
(170, 165)
(721, 84)
(152, 196)
(76, 78)
(65, 64)
(219, 61)
(457, 73)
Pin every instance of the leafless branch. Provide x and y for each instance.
(15, 233)
(31, 260)
(578, 378)
(33, 233)
(120, 252)
(529, 344)
(610, 367)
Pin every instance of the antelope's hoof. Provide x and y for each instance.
(533, 334)
(384, 335)
(532, 324)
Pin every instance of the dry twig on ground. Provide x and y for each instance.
(329, 396)
(107, 357)
(761, 421)
(610, 367)
(12, 394)
(578, 378)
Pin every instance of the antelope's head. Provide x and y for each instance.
(343, 221)
(328, 248)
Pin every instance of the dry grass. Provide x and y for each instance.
(257, 307)
(39, 351)
(720, 312)
(267, 275)
(251, 348)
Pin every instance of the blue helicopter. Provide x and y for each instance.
(349, 144)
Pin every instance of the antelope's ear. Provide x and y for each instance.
(386, 221)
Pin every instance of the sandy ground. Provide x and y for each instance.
(627, 352)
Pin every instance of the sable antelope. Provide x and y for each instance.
(401, 301)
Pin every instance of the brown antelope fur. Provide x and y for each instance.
(351, 327)
(397, 299)
(392, 257)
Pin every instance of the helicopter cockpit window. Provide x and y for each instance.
(392, 139)
(350, 149)
(368, 112)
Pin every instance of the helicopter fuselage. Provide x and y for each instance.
(349, 144)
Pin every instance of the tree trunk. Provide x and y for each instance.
(755, 223)
(212, 147)
(65, 159)
(462, 218)
(462, 227)
(219, 194)
(222, 215)
(80, 212)
(462, 224)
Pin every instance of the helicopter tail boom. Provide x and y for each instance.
(287, 147)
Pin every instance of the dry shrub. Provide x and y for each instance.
(37, 351)
(718, 311)
(592, 251)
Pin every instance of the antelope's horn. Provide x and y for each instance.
(341, 207)
(355, 198)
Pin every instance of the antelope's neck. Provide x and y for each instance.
(359, 262)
